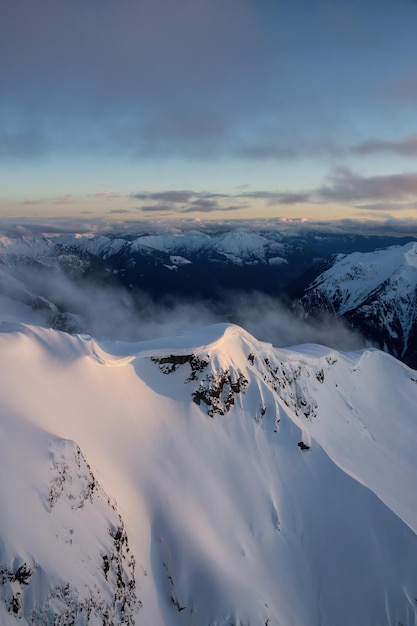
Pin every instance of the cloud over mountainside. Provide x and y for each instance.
(204, 478)
(134, 287)
(45, 283)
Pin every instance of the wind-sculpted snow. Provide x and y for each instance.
(205, 479)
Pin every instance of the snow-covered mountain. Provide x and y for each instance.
(237, 246)
(266, 258)
(184, 265)
(66, 281)
(377, 293)
(206, 478)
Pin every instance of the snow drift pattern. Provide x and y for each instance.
(205, 479)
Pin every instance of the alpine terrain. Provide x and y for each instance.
(67, 281)
(205, 479)
(375, 292)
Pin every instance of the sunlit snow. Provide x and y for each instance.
(169, 472)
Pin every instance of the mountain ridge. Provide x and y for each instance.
(193, 443)
(375, 292)
(55, 280)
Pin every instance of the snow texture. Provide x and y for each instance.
(205, 479)
(377, 292)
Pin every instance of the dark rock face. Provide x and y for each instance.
(216, 392)
(386, 317)
(32, 593)
(169, 364)
(218, 389)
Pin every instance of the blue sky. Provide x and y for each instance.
(209, 109)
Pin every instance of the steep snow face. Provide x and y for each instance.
(206, 478)
(353, 278)
(377, 291)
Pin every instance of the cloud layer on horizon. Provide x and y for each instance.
(93, 225)
(385, 193)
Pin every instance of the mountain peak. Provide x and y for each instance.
(204, 478)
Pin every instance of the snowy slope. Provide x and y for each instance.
(163, 482)
(376, 292)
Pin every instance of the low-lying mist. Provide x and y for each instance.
(110, 311)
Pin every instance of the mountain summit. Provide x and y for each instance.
(206, 478)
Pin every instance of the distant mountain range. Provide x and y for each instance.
(358, 278)
(206, 478)
(191, 263)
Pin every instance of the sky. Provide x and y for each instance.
(202, 110)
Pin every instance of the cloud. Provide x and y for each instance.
(393, 191)
(269, 320)
(197, 206)
(376, 225)
(60, 225)
(199, 135)
(388, 206)
(109, 194)
(165, 196)
(149, 78)
(156, 79)
(112, 312)
(157, 208)
(264, 150)
(60, 199)
(346, 185)
(22, 143)
(206, 205)
(406, 147)
(403, 88)
(218, 135)
(383, 225)
(278, 197)
(273, 145)
(187, 201)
